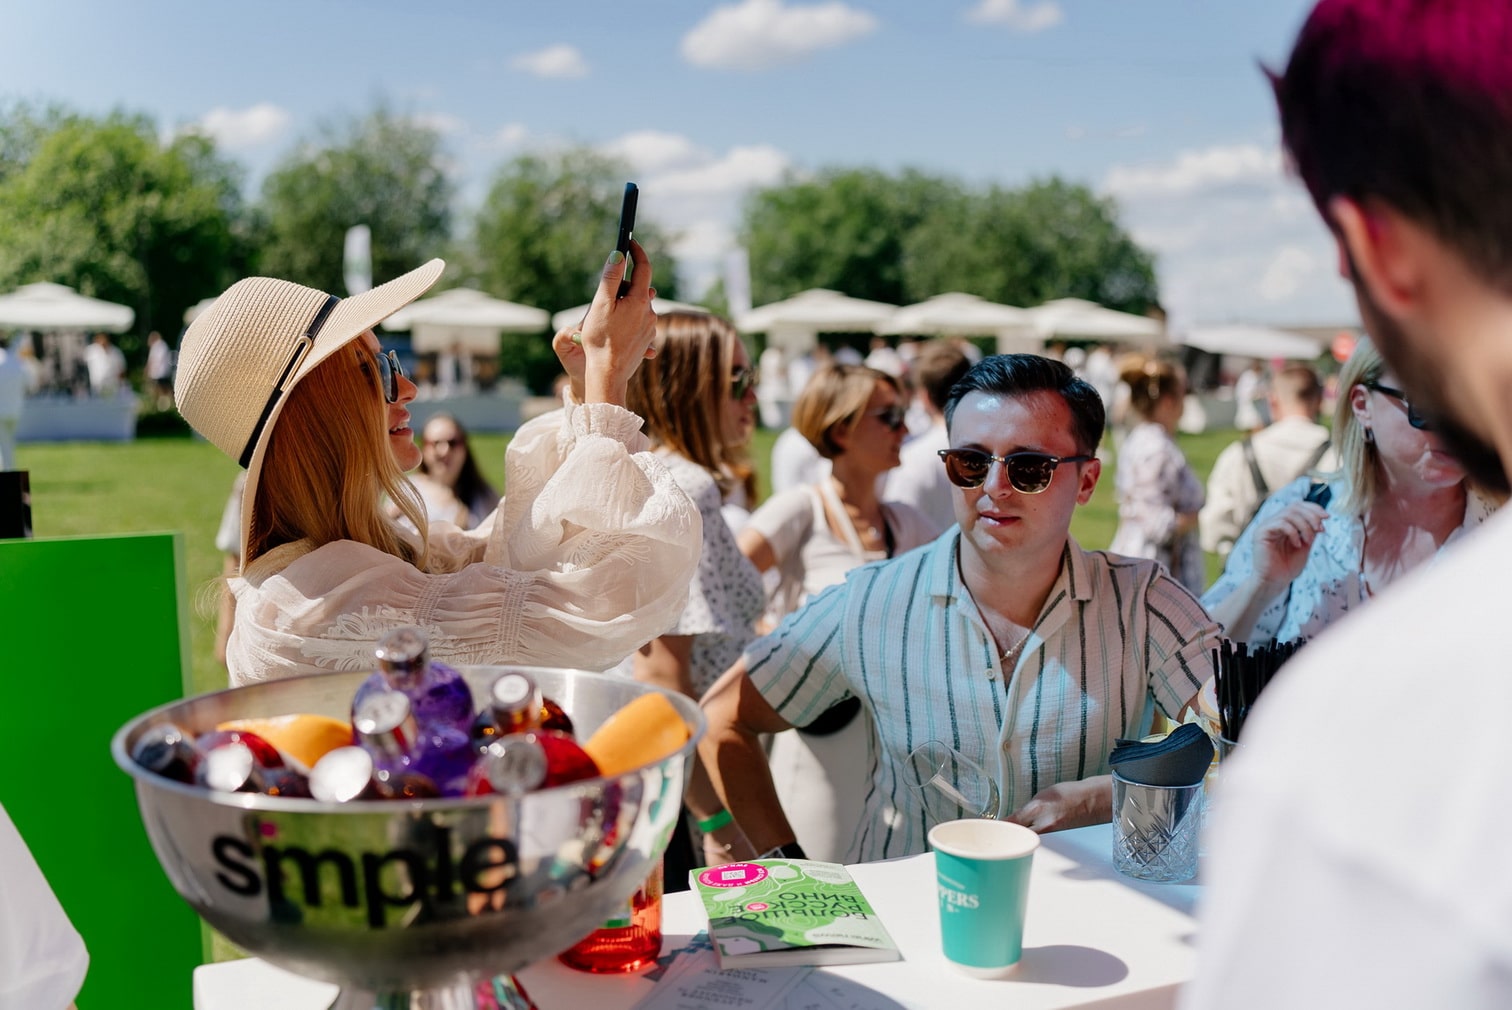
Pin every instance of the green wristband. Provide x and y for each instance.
(717, 821)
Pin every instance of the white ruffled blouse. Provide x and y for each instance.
(586, 559)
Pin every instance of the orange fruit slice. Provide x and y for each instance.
(303, 736)
(646, 730)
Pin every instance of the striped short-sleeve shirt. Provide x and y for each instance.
(906, 638)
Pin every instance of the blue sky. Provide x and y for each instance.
(1158, 103)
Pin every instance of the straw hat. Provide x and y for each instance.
(240, 358)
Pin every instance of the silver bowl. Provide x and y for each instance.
(400, 901)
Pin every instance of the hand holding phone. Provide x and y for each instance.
(626, 232)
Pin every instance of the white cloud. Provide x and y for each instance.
(758, 34)
(243, 129)
(1020, 17)
(507, 136)
(443, 123)
(696, 194)
(1191, 171)
(1235, 239)
(559, 61)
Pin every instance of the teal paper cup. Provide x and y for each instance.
(982, 875)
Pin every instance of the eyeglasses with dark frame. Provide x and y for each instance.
(742, 381)
(894, 416)
(389, 374)
(1029, 472)
(1415, 419)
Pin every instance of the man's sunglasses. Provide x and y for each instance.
(741, 383)
(893, 417)
(389, 374)
(1029, 472)
(1415, 419)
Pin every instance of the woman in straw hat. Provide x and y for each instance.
(587, 558)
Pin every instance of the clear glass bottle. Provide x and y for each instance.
(628, 942)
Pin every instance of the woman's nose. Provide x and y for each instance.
(407, 389)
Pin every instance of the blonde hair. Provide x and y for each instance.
(836, 397)
(329, 464)
(1150, 380)
(1357, 454)
(681, 392)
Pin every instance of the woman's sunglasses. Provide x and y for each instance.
(893, 417)
(742, 382)
(1415, 419)
(1029, 472)
(389, 374)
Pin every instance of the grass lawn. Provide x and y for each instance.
(155, 484)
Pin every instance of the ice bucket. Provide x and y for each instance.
(403, 902)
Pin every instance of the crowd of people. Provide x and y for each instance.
(631, 527)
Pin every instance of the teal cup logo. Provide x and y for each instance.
(982, 876)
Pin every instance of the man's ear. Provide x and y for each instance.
(1384, 250)
(1087, 481)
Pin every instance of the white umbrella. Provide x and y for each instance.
(466, 317)
(52, 307)
(1078, 319)
(956, 314)
(1253, 342)
(574, 316)
(194, 311)
(795, 323)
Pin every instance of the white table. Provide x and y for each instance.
(1093, 937)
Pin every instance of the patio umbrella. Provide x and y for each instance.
(573, 316)
(466, 317)
(1253, 342)
(956, 314)
(795, 323)
(47, 307)
(1078, 319)
(193, 312)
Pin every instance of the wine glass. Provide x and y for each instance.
(950, 784)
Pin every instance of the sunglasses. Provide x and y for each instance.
(892, 417)
(389, 374)
(1029, 472)
(1415, 419)
(443, 443)
(742, 382)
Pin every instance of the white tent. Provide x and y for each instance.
(1078, 319)
(956, 314)
(466, 317)
(52, 308)
(574, 316)
(794, 324)
(1253, 342)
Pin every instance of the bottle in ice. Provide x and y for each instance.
(386, 727)
(351, 773)
(630, 940)
(438, 695)
(510, 765)
(168, 751)
(513, 705)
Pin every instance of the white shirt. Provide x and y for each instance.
(106, 366)
(1359, 839)
(42, 957)
(159, 360)
(795, 462)
(587, 559)
(12, 384)
(919, 479)
(1283, 451)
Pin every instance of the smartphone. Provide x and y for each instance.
(626, 232)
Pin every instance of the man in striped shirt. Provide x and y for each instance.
(1002, 639)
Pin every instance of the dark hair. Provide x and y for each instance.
(937, 367)
(1018, 374)
(1298, 383)
(1409, 101)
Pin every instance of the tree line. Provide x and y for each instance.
(109, 206)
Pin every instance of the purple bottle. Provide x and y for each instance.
(438, 695)
(386, 728)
